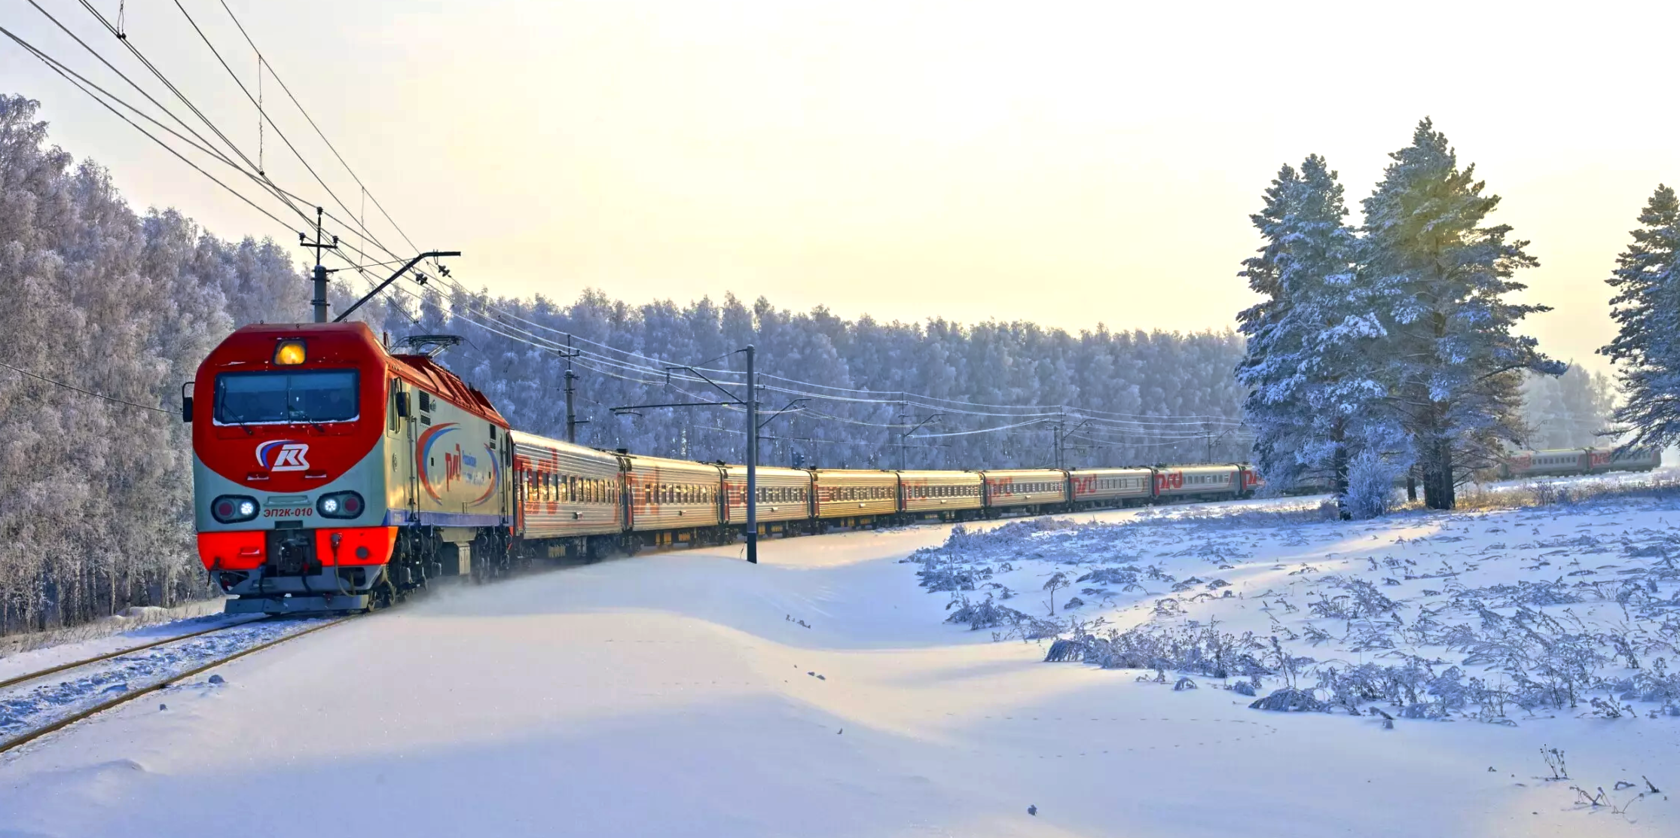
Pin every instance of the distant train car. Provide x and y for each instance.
(1548, 463)
(946, 495)
(1110, 486)
(671, 501)
(1204, 482)
(1025, 488)
(1563, 462)
(569, 498)
(855, 497)
(1601, 460)
(784, 498)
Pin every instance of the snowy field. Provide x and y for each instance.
(824, 693)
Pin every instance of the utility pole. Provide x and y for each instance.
(1056, 442)
(320, 274)
(903, 438)
(752, 458)
(1062, 432)
(571, 414)
(750, 402)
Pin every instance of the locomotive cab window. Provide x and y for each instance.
(276, 397)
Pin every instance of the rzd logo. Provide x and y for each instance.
(283, 455)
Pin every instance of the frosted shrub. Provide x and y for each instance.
(988, 614)
(1370, 490)
(983, 614)
(1202, 651)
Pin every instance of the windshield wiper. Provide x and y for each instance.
(299, 416)
(220, 409)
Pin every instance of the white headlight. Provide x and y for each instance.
(329, 505)
(247, 508)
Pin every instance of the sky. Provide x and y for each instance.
(1069, 164)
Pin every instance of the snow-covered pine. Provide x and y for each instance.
(1265, 369)
(1647, 309)
(1453, 363)
(1309, 367)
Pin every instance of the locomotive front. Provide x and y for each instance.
(290, 486)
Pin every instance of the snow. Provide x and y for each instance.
(822, 693)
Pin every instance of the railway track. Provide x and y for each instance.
(38, 703)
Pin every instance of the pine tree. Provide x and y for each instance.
(1308, 365)
(1647, 308)
(1453, 364)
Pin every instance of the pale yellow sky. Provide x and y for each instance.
(1063, 163)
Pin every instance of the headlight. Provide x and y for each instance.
(340, 505)
(231, 509)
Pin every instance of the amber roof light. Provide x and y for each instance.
(289, 353)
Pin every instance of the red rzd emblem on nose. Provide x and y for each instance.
(283, 455)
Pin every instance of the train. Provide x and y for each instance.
(333, 474)
(1564, 462)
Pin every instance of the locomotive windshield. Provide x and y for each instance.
(244, 398)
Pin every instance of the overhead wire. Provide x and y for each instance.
(57, 383)
(494, 319)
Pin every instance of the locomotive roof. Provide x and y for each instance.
(433, 376)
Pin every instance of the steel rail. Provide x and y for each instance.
(119, 653)
(126, 697)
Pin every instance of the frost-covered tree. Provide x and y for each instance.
(1646, 308)
(1439, 276)
(1568, 411)
(1313, 391)
(94, 512)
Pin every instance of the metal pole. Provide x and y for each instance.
(320, 272)
(752, 459)
(571, 416)
(320, 300)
